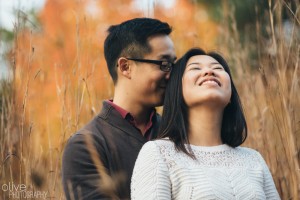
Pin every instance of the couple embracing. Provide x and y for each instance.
(194, 152)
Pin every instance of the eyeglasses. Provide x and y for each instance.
(165, 66)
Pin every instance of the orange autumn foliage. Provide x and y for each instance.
(60, 79)
(63, 68)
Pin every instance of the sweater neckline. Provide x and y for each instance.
(217, 148)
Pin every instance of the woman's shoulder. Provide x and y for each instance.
(247, 150)
(160, 146)
(160, 142)
(254, 154)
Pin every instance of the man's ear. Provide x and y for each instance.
(124, 67)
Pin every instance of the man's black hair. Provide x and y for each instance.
(130, 39)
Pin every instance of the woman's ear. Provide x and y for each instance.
(124, 67)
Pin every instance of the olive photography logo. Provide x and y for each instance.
(21, 191)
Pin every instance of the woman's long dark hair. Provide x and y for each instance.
(174, 123)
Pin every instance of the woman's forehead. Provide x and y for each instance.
(202, 59)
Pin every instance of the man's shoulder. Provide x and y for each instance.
(79, 145)
(95, 125)
(91, 129)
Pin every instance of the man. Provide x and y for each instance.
(98, 160)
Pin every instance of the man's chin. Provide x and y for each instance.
(156, 104)
(160, 103)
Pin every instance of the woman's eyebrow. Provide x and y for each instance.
(210, 64)
(215, 63)
(194, 63)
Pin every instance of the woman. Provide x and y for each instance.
(202, 126)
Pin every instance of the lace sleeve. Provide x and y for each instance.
(269, 186)
(150, 179)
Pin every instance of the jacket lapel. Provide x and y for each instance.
(110, 115)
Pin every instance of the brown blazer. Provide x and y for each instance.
(116, 143)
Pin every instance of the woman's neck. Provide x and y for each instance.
(205, 126)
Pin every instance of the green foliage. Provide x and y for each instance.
(6, 35)
(214, 8)
(246, 12)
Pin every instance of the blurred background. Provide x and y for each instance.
(53, 76)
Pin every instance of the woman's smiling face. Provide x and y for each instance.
(205, 81)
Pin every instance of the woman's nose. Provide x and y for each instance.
(207, 71)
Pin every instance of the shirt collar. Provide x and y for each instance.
(122, 111)
(126, 115)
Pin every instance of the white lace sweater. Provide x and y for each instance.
(219, 172)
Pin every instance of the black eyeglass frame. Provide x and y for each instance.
(165, 66)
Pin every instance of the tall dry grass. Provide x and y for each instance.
(266, 72)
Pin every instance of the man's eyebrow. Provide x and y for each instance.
(168, 57)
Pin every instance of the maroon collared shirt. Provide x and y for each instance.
(127, 116)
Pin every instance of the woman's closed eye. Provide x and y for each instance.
(219, 68)
(195, 68)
